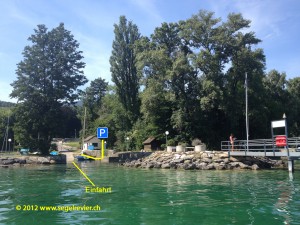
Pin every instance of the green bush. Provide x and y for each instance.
(171, 142)
(196, 141)
(184, 144)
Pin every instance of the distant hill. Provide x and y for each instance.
(6, 104)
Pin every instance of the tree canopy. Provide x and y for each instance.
(187, 77)
(192, 75)
(48, 78)
(123, 69)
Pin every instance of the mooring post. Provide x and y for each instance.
(286, 135)
(290, 164)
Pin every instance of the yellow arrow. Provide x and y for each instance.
(83, 174)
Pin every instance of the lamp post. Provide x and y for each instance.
(247, 119)
(127, 140)
(9, 140)
(167, 133)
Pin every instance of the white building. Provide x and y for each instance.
(91, 143)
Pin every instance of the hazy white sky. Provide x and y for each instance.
(275, 22)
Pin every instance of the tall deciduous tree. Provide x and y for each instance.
(154, 60)
(245, 58)
(92, 100)
(113, 115)
(204, 36)
(47, 78)
(123, 68)
(275, 99)
(221, 54)
(293, 88)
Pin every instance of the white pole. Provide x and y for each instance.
(83, 131)
(247, 119)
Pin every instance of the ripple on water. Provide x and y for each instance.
(151, 196)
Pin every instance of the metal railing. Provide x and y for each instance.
(260, 145)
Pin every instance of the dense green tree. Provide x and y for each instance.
(6, 125)
(167, 37)
(71, 125)
(93, 95)
(154, 60)
(47, 78)
(293, 109)
(192, 76)
(222, 54)
(276, 93)
(92, 99)
(244, 59)
(156, 110)
(123, 68)
(205, 37)
(184, 92)
(113, 116)
(170, 83)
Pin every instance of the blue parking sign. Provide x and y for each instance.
(102, 132)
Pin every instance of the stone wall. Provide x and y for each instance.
(202, 161)
(24, 160)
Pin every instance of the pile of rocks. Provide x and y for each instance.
(5, 162)
(207, 160)
(24, 160)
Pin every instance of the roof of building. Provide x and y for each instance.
(91, 138)
(149, 140)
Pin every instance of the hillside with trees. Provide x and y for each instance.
(4, 104)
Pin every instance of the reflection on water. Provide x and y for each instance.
(286, 195)
(141, 196)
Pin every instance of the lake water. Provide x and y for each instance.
(141, 196)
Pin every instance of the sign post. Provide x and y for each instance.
(102, 132)
(281, 140)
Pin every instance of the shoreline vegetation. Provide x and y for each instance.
(206, 160)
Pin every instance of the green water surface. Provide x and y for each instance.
(155, 196)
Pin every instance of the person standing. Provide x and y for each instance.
(231, 139)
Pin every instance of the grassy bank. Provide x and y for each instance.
(72, 144)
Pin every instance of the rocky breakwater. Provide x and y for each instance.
(203, 161)
(26, 160)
